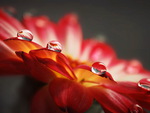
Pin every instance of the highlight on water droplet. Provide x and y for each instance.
(136, 109)
(54, 46)
(25, 35)
(144, 84)
(98, 68)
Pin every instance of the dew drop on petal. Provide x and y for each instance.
(54, 46)
(144, 84)
(25, 35)
(98, 68)
(136, 109)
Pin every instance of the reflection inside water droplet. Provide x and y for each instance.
(25, 35)
(98, 68)
(144, 84)
(54, 46)
(136, 109)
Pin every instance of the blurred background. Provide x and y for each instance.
(125, 24)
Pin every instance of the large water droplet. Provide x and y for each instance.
(98, 68)
(136, 109)
(144, 84)
(25, 35)
(54, 46)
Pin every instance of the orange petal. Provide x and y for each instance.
(6, 52)
(43, 69)
(21, 45)
(89, 78)
(9, 61)
(47, 56)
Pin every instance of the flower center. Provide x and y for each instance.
(74, 63)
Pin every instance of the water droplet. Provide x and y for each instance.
(144, 84)
(98, 68)
(25, 35)
(54, 46)
(136, 109)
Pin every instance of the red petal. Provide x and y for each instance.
(144, 104)
(143, 100)
(11, 20)
(42, 28)
(70, 95)
(97, 51)
(37, 70)
(12, 67)
(9, 26)
(133, 67)
(132, 90)
(54, 66)
(45, 65)
(123, 70)
(9, 62)
(125, 88)
(43, 103)
(69, 32)
(112, 101)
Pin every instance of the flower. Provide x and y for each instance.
(76, 76)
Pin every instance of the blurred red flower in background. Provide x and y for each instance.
(76, 70)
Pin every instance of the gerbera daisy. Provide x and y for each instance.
(76, 71)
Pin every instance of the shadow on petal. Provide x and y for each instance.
(71, 95)
(43, 103)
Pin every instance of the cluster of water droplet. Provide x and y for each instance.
(27, 35)
(98, 67)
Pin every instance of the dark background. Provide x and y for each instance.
(125, 24)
